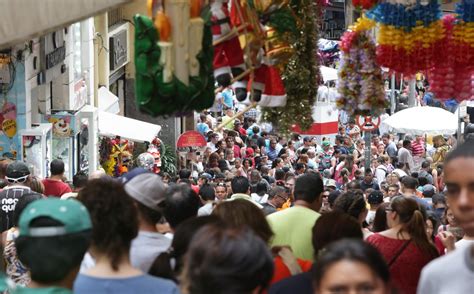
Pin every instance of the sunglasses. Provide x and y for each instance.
(17, 180)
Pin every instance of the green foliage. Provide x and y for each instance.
(168, 161)
(301, 74)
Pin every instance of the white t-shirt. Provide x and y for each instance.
(463, 243)
(404, 156)
(206, 209)
(259, 199)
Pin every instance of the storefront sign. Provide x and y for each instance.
(56, 57)
(118, 49)
(191, 139)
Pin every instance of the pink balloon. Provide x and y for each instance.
(9, 110)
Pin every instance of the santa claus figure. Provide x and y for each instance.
(228, 55)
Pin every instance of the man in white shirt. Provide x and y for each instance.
(381, 170)
(213, 141)
(405, 157)
(454, 272)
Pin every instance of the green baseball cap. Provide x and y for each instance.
(71, 213)
(326, 143)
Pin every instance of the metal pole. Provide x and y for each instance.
(412, 93)
(392, 95)
(367, 155)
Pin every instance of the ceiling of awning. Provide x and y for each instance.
(21, 20)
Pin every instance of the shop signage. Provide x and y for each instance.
(56, 57)
(118, 49)
(191, 139)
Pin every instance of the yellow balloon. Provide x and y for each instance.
(9, 127)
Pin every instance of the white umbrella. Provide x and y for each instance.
(328, 73)
(422, 120)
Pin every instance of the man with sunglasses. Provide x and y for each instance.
(277, 196)
(18, 178)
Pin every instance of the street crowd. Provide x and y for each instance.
(254, 212)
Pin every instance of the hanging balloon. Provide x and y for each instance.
(146, 161)
(9, 127)
(9, 110)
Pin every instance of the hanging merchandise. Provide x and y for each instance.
(247, 47)
(410, 35)
(301, 73)
(228, 59)
(173, 58)
(360, 84)
(453, 74)
(115, 155)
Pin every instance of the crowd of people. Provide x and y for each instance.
(254, 213)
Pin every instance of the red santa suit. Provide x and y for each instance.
(228, 55)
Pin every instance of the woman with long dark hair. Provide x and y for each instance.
(405, 245)
(114, 225)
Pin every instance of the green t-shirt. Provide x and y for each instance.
(293, 226)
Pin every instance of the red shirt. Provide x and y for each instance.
(55, 188)
(405, 270)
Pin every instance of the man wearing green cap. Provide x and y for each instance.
(325, 156)
(54, 236)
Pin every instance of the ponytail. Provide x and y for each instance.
(162, 267)
(416, 227)
(412, 220)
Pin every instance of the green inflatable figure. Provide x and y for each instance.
(156, 97)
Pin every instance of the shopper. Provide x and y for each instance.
(454, 272)
(348, 266)
(54, 185)
(148, 192)
(18, 178)
(53, 237)
(225, 260)
(405, 245)
(115, 224)
(14, 268)
(292, 226)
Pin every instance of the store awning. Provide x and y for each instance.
(107, 101)
(112, 125)
(21, 20)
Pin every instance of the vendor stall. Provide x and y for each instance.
(121, 138)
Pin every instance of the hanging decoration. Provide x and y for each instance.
(248, 51)
(301, 74)
(453, 74)
(360, 84)
(173, 58)
(410, 35)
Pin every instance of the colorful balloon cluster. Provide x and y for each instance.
(453, 74)
(410, 35)
(364, 4)
(360, 83)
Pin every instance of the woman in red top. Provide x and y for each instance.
(405, 245)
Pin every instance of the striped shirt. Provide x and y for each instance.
(417, 149)
(9, 196)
